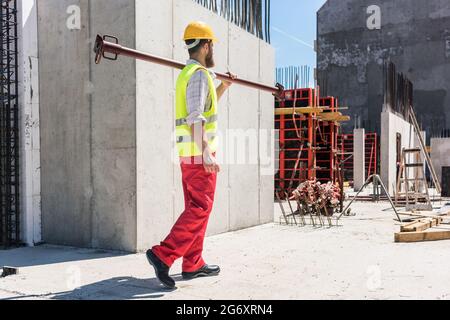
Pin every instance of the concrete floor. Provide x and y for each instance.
(358, 260)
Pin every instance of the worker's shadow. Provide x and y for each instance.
(120, 288)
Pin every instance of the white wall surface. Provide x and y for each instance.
(359, 158)
(392, 124)
(30, 167)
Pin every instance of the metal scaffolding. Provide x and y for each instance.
(9, 126)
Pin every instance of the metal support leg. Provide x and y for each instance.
(377, 177)
(282, 208)
(290, 206)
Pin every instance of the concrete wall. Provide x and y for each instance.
(440, 154)
(359, 159)
(87, 126)
(414, 34)
(392, 124)
(109, 175)
(154, 125)
(65, 125)
(30, 167)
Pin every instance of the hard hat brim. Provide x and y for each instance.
(214, 40)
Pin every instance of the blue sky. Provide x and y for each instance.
(293, 31)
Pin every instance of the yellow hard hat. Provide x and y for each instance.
(199, 30)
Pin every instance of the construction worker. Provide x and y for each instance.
(196, 131)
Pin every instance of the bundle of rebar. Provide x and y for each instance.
(398, 91)
(251, 15)
(9, 126)
(294, 77)
(312, 192)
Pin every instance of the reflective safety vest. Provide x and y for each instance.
(185, 142)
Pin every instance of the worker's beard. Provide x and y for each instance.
(209, 60)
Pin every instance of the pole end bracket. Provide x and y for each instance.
(279, 94)
(99, 48)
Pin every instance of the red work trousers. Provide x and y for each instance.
(187, 235)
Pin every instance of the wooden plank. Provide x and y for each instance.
(290, 111)
(415, 226)
(406, 237)
(331, 116)
(409, 224)
(343, 118)
(421, 225)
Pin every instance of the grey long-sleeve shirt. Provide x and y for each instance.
(197, 95)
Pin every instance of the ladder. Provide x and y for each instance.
(411, 182)
(427, 157)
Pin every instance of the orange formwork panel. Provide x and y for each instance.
(296, 139)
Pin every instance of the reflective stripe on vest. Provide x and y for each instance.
(182, 122)
(185, 143)
(186, 139)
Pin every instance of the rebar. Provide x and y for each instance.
(9, 126)
(288, 76)
(398, 91)
(251, 15)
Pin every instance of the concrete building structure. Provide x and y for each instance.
(356, 36)
(100, 148)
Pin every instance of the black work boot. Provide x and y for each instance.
(205, 271)
(161, 270)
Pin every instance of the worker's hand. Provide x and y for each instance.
(228, 84)
(210, 162)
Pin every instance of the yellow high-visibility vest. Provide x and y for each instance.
(185, 141)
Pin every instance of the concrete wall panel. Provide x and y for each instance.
(359, 160)
(155, 123)
(244, 123)
(30, 166)
(113, 126)
(392, 124)
(65, 124)
(267, 126)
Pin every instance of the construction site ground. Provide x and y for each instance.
(357, 260)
